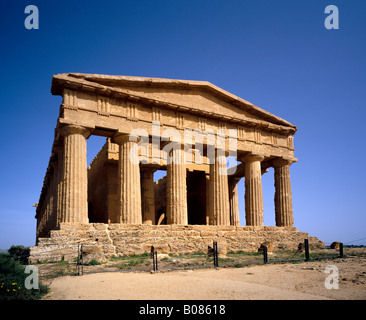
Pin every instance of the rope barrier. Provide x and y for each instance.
(355, 241)
(181, 253)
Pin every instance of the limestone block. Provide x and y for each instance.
(316, 243)
(161, 248)
(269, 245)
(100, 226)
(99, 257)
(76, 226)
(206, 234)
(133, 239)
(93, 252)
(226, 228)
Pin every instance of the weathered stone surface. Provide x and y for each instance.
(283, 193)
(335, 245)
(124, 241)
(177, 188)
(114, 204)
(253, 190)
(269, 245)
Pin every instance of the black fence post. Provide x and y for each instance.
(307, 255)
(156, 261)
(265, 255)
(78, 260)
(153, 257)
(82, 259)
(215, 254)
(341, 250)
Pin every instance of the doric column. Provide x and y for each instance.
(253, 190)
(219, 190)
(177, 212)
(147, 196)
(283, 193)
(74, 206)
(53, 198)
(59, 150)
(208, 199)
(48, 210)
(129, 190)
(234, 202)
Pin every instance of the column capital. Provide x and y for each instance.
(280, 162)
(74, 129)
(174, 141)
(250, 157)
(120, 138)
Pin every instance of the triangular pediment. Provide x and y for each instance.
(199, 97)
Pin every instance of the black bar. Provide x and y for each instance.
(217, 256)
(78, 260)
(265, 255)
(82, 260)
(153, 256)
(156, 261)
(307, 255)
(216, 262)
(341, 250)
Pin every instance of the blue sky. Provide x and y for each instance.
(275, 54)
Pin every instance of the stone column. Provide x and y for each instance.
(177, 211)
(59, 150)
(53, 199)
(129, 189)
(253, 190)
(147, 196)
(47, 216)
(208, 200)
(74, 205)
(283, 193)
(219, 191)
(234, 202)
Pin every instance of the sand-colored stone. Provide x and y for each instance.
(74, 196)
(115, 203)
(253, 190)
(176, 192)
(132, 239)
(283, 193)
(147, 196)
(129, 190)
(219, 192)
(335, 245)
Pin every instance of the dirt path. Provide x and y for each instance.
(302, 281)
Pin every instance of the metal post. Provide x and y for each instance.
(307, 256)
(82, 260)
(156, 261)
(341, 250)
(216, 260)
(265, 255)
(153, 256)
(78, 260)
(217, 256)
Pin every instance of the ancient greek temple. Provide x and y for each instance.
(152, 124)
